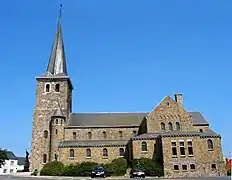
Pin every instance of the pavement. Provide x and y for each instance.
(28, 177)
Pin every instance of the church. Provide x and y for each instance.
(182, 139)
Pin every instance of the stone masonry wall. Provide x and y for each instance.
(169, 111)
(46, 103)
(97, 133)
(96, 155)
(202, 158)
(137, 149)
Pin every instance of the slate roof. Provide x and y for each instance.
(93, 143)
(21, 160)
(119, 119)
(11, 155)
(106, 119)
(149, 136)
(198, 118)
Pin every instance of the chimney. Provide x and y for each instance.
(179, 99)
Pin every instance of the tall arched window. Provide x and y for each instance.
(162, 126)
(71, 153)
(47, 88)
(170, 126)
(57, 88)
(56, 131)
(120, 134)
(46, 134)
(74, 135)
(105, 152)
(104, 135)
(88, 153)
(210, 144)
(177, 126)
(121, 152)
(89, 135)
(144, 146)
(57, 121)
(44, 158)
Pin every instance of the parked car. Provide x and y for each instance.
(98, 172)
(137, 172)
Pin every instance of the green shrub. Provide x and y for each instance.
(83, 169)
(86, 168)
(151, 167)
(54, 168)
(71, 170)
(120, 166)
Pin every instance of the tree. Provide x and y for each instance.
(26, 166)
(3, 157)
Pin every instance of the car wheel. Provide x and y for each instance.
(131, 176)
(143, 176)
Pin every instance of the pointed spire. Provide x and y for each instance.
(57, 61)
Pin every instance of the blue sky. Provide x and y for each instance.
(121, 55)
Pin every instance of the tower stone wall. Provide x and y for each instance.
(46, 104)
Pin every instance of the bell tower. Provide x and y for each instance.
(53, 105)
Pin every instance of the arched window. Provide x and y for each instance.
(46, 134)
(120, 134)
(44, 158)
(57, 121)
(162, 126)
(89, 135)
(144, 146)
(170, 126)
(105, 152)
(201, 130)
(210, 144)
(56, 131)
(74, 135)
(71, 153)
(47, 88)
(88, 153)
(121, 152)
(57, 88)
(61, 121)
(177, 126)
(104, 135)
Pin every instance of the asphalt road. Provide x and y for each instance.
(86, 178)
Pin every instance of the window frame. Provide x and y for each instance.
(162, 126)
(88, 153)
(45, 158)
(178, 125)
(71, 154)
(170, 127)
(57, 87)
(47, 86)
(182, 147)
(123, 151)
(210, 145)
(105, 153)
(174, 149)
(144, 146)
(190, 148)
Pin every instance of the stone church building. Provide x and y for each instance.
(182, 139)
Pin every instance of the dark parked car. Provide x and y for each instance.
(98, 172)
(137, 172)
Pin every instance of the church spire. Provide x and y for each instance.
(57, 61)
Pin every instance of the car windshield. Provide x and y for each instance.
(99, 169)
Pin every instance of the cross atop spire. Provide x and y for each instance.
(57, 61)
